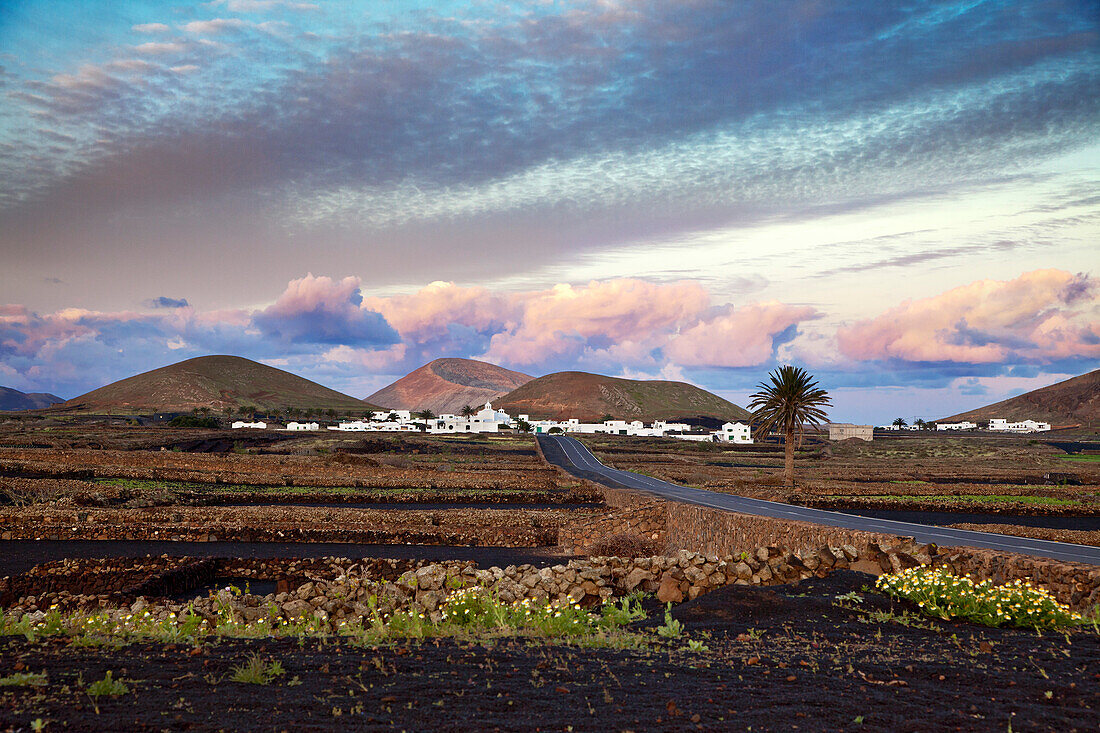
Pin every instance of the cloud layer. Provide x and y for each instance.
(324, 328)
(584, 124)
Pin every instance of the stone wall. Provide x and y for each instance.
(715, 532)
(718, 532)
(646, 519)
(334, 589)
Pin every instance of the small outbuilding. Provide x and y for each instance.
(845, 430)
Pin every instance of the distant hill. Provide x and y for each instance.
(447, 385)
(13, 399)
(591, 396)
(1075, 401)
(216, 382)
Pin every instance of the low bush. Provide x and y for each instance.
(108, 686)
(942, 594)
(193, 421)
(257, 672)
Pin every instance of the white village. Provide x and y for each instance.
(491, 420)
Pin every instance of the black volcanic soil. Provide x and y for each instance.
(780, 658)
(18, 556)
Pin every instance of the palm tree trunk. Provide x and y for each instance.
(788, 459)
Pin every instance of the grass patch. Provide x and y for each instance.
(155, 485)
(985, 498)
(257, 672)
(1084, 459)
(472, 612)
(151, 485)
(108, 686)
(25, 679)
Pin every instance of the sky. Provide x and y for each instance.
(903, 198)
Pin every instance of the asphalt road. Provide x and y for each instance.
(570, 454)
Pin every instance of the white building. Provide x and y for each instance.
(735, 432)
(254, 425)
(353, 426)
(964, 425)
(1024, 426)
(302, 426)
(398, 415)
(487, 420)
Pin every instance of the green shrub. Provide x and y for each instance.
(941, 594)
(107, 686)
(671, 628)
(193, 421)
(257, 672)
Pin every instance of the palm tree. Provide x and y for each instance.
(792, 399)
(468, 411)
(899, 423)
(425, 415)
(921, 424)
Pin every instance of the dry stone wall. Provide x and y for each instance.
(720, 533)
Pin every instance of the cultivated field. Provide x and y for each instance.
(201, 592)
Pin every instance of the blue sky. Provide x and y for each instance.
(692, 190)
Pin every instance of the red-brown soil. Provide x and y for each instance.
(589, 397)
(502, 471)
(782, 658)
(1075, 402)
(476, 527)
(445, 386)
(215, 382)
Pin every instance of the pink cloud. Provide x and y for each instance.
(427, 314)
(322, 310)
(627, 315)
(738, 337)
(311, 293)
(1040, 316)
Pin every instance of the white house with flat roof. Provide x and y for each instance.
(302, 426)
(735, 432)
(241, 424)
(964, 425)
(1024, 426)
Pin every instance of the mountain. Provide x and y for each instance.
(447, 385)
(216, 382)
(591, 396)
(13, 399)
(1073, 402)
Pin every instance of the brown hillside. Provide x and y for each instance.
(1075, 401)
(591, 396)
(13, 399)
(447, 385)
(216, 382)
